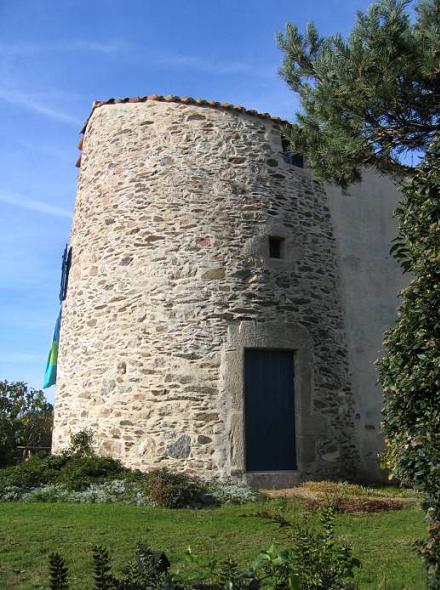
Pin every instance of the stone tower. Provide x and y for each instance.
(206, 314)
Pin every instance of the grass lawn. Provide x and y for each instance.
(29, 532)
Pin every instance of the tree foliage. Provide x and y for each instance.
(25, 419)
(368, 100)
(410, 367)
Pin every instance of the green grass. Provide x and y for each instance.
(29, 532)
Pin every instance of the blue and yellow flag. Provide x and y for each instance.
(50, 375)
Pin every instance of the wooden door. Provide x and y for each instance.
(269, 410)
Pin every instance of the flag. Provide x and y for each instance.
(50, 376)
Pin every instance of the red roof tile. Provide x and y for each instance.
(184, 100)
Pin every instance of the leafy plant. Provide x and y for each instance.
(315, 561)
(410, 368)
(81, 443)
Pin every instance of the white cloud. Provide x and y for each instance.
(33, 204)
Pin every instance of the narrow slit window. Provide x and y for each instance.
(275, 247)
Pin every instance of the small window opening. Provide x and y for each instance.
(292, 159)
(275, 247)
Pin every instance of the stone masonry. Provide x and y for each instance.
(171, 280)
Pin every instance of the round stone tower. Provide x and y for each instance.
(203, 325)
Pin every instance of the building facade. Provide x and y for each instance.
(224, 308)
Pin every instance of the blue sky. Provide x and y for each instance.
(56, 57)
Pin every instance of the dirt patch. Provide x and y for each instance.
(343, 501)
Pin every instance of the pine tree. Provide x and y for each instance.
(371, 99)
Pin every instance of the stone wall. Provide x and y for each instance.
(171, 279)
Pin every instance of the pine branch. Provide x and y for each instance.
(102, 569)
(58, 573)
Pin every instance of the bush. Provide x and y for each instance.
(78, 475)
(36, 471)
(410, 368)
(79, 472)
(75, 473)
(81, 443)
(175, 490)
(320, 562)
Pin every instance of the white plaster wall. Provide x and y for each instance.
(364, 227)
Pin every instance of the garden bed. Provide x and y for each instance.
(346, 497)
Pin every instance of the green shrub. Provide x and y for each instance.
(54, 478)
(81, 471)
(322, 562)
(410, 368)
(75, 473)
(34, 472)
(175, 490)
(81, 443)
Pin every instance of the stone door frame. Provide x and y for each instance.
(268, 335)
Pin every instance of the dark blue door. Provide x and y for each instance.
(269, 410)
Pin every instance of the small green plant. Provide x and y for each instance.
(314, 561)
(81, 443)
(324, 564)
(58, 573)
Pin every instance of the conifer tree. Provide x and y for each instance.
(371, 99)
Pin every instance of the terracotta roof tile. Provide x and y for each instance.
(184, 100)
